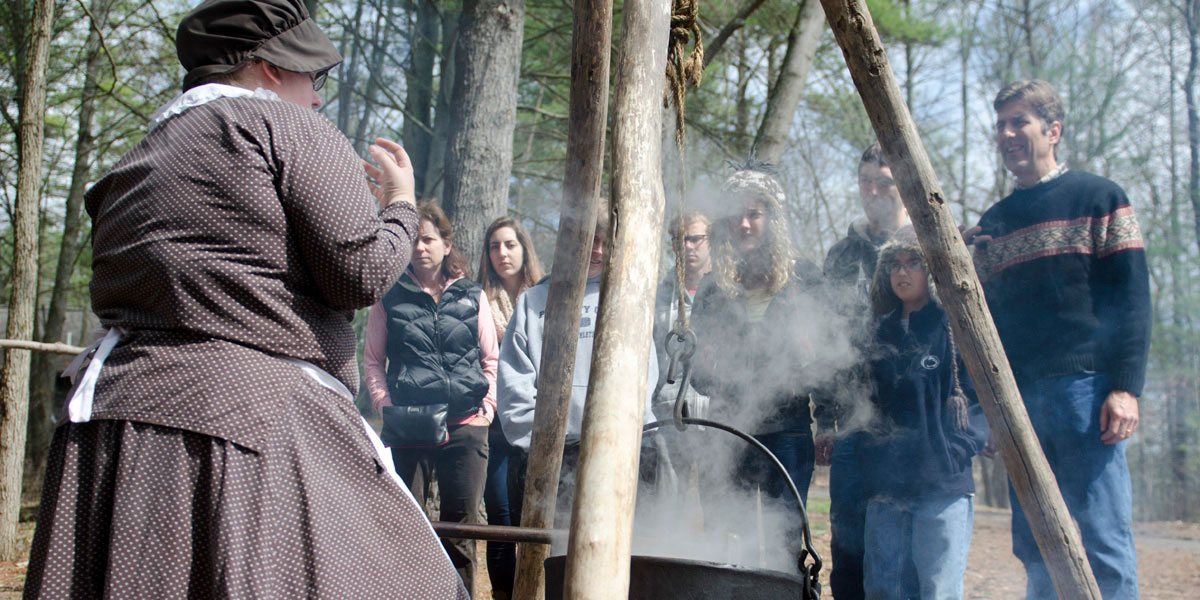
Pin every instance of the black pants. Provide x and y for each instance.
(518, 462)
(460, 466)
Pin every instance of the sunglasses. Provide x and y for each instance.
(318, 79)
(912, 266)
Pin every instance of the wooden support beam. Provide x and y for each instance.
(591, 35)
(606, 482)
(56, 347)
(962, 296)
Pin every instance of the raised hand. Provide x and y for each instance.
(393, 178)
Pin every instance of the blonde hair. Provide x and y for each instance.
(770, 265)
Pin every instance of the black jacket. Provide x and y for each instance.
(433, 349)
(759, 375)
(914, 449)
(850, 263)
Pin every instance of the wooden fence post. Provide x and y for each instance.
(962, 296)
(606, 482)
(577, 222)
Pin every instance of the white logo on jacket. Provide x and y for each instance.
(930, 362)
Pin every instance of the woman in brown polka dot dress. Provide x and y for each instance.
(210, 447)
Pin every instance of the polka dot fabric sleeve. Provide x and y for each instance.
(352, 253)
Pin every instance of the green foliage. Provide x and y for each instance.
(896, 22)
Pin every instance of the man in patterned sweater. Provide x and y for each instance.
(1063, 267)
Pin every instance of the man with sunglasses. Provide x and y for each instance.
(211, 446)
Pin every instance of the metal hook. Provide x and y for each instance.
(681, 403)
(684, 348)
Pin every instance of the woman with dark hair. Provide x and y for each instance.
(756, 318)
(916, 458)
(435, 334)
(507, 267)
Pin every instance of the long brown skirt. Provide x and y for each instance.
(135, 510)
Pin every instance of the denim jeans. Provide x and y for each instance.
(794, 449)
(501, 556)
(847, 512)
(1094, 480)
(932, 535)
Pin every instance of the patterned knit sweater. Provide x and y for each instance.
(1066, 280)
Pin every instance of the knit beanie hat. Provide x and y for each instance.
(220, 34)
(754, 183)
(905, 242)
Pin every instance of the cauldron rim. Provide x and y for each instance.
(670, 560)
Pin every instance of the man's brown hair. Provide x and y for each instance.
(1040, 95)
(873, 155)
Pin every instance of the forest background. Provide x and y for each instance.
(477, 91)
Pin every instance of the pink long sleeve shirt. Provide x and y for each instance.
(375, 358)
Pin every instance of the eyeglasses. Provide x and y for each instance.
(695, 240)
(318, 79)
(912, 266)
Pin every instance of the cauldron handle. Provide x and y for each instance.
(810, 572)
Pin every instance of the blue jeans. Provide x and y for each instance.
(1094, 480)
(794, 449)
(501, 556)
(847, 512)
(932, 535)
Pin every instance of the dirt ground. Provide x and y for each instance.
(1168, 556)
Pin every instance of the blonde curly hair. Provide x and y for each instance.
(770, 265)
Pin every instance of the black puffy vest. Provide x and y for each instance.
(433, 349)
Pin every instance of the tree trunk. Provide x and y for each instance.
(909, 71)
(479, 156)
(741, 113)
(606, 482)
(590, 39)
(1192, 20)
(379, 50)
(435, 170)
(418, 103)
(348, 70)
(964, 53)
(789, 89)
(1027, 25)
(14, 375)
(950, 263)
(43, 376)
(1180, 305)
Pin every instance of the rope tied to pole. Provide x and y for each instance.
(685, 24)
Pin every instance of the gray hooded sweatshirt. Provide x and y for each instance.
(521, 356)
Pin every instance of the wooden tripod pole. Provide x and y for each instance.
(606, 482)
(577, 223)
(962, 296)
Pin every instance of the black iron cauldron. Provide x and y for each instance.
(657, 578)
